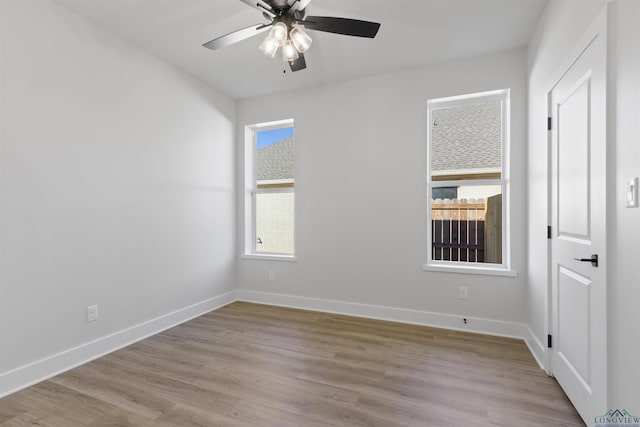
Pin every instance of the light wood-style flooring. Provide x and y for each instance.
(257, 365)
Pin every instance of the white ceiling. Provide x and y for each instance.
(413, 33)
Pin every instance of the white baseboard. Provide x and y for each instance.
(416, 317)
(35, 372)
(536, 347)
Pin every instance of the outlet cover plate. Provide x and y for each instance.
(92, 313)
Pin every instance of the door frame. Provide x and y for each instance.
(597, 30)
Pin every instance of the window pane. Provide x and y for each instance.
(468, 228)
(466, 141)
(274, 222)
(445, 193)
(274, 210)
(275, 157)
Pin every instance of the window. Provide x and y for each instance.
(270, 189)
(468, 182)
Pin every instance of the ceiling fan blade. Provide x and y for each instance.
(298, 64)
(346, 26)
(298, 5)
(236, 36)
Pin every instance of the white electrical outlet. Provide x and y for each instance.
(92, 313)
(463, 292)
(272, 275)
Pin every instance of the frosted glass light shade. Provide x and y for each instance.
(301, 40)
(279, 33)
(269, 47)
(289, 52)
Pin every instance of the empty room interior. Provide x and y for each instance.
(319, 213)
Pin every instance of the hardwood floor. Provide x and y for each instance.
(256, 365)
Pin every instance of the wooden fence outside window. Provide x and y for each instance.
(467, 230)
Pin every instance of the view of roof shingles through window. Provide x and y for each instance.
(276, 161)
(467, 137)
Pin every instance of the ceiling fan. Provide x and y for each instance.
(286, 19)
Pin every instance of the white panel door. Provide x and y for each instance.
(578, 208)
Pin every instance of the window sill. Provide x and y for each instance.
(270, 257)
(459, 268)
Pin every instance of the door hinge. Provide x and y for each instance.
(549, 121)
(548, 231)
(549, 341)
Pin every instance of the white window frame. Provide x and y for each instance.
(251, 191)
(503, 269)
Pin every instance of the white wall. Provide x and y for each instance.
(625, 223)
(117, 188)
(361, 158)
(562, 25)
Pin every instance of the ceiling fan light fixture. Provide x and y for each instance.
(301, 40)
(289, 52)
(279, 33)
(287, 26)
(269, 46)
